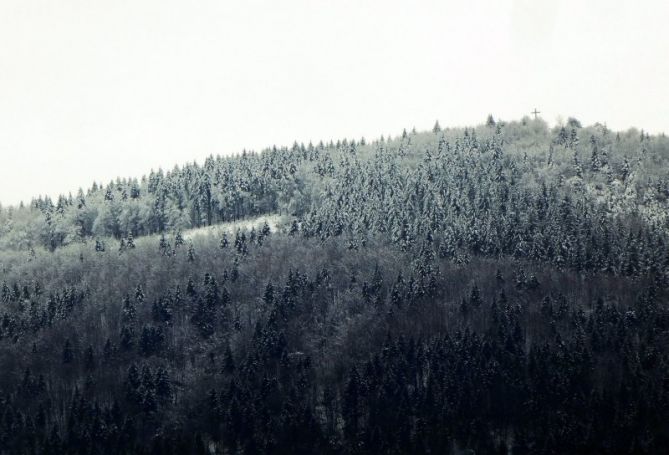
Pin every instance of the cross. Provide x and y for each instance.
(535, 112)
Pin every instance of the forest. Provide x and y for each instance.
(501, 288)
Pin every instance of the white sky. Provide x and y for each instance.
(90, 90)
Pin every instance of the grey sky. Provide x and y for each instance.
(96, 89)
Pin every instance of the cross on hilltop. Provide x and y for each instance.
(535, 112)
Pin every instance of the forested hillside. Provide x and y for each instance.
(498, 289)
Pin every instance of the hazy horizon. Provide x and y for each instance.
(90, 91)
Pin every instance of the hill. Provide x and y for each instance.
(502, 288)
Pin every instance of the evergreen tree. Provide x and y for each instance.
(163, 384)
(68, 352)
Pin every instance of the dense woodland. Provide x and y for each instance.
(496, 289)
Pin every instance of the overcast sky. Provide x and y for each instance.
(91, 90)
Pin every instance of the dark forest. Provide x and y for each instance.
(499, 289)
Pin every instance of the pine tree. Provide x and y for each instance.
(68, 352)
(577, 166)
(108, 350)
(573, 138)
(228, 361)
(163, 384)
(595, 163)
(89, 358)
(128, 312)
(625, 171)
(151, 340)
(351, 406)
(139, 295)
(164, 245)
(475, 297)
(265, 229)
(178, 240)
(268, 296)
(132, 384)
(294, 228)
(99, 246)
(130, 242)
(127, 338)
